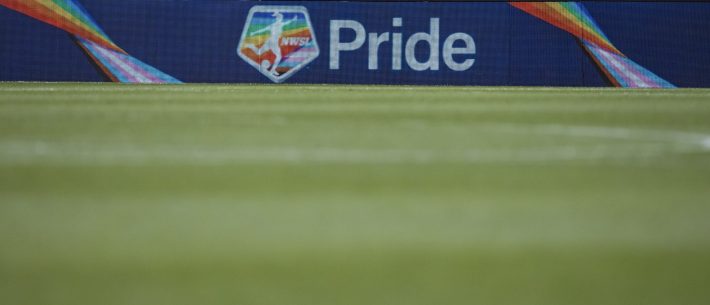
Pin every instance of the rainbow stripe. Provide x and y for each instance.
(71, 17)
(622, 71)
(66, 15)
(573, 18)
(123, 68)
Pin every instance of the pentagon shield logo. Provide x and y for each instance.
(278, 41)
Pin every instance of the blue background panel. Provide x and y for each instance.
(196, 41)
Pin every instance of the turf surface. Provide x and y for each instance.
(290, 195)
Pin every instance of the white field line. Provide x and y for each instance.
(62, 153)
(669, 137)
(693, 141)
(643, 146)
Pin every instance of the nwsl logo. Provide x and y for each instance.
(278, 41)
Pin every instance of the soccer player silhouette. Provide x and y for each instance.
(272, 43)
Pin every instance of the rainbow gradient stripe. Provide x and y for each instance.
(71, 17)
(573, 18)
(294, 54)
(123, 68)
(66, 15)
(623, 72)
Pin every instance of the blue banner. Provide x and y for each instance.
(418, 43)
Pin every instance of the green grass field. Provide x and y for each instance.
(358, 195)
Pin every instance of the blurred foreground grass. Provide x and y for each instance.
(283, 195)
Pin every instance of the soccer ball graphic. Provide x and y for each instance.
(265, 64)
